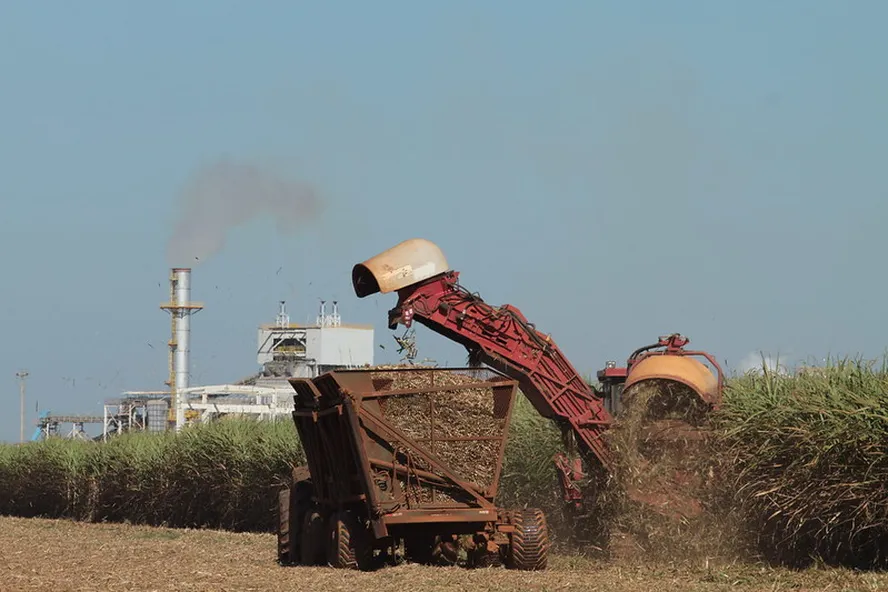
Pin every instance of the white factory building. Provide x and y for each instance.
(285, 349)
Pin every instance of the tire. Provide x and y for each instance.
(285, 554)
(529, 548)
(312, 539)
(349, 542)
(293, 502)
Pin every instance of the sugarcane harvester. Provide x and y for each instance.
(501, 337)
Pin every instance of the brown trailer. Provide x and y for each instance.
(405, 458)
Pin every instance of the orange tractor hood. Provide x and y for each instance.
(683, 369)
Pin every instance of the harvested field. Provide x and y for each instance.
(67, 556)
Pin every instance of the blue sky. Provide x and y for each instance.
(617, 170)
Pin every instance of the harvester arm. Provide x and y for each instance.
(429, 293)
(502, 338)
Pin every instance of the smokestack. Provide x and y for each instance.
(322, 314)
(181, 308)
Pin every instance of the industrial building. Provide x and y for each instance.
(308, 351)
(284, 350)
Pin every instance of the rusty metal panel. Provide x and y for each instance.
(455, 515)
(421, 442)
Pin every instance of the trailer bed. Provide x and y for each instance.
(410, 454)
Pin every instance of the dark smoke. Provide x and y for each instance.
(219, 197)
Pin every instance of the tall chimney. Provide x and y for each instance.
(181, 308)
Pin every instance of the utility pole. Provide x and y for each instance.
(22, 375)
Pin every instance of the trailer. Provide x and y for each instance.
(405, 462)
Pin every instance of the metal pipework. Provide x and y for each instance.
(181, 308)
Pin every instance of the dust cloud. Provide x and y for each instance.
(221, 196)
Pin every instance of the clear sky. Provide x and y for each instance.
(617, 170)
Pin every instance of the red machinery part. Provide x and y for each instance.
(502, 338)
(429, 293)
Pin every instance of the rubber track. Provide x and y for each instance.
(530, 541)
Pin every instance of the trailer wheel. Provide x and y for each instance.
(285, 551)
(349, 542)
(293, 501)
(312, 539)
(529, 548)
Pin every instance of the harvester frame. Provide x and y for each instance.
(429, 292)
(352, 497)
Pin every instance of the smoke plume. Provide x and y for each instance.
(219, 197)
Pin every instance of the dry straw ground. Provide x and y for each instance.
(65, 556)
